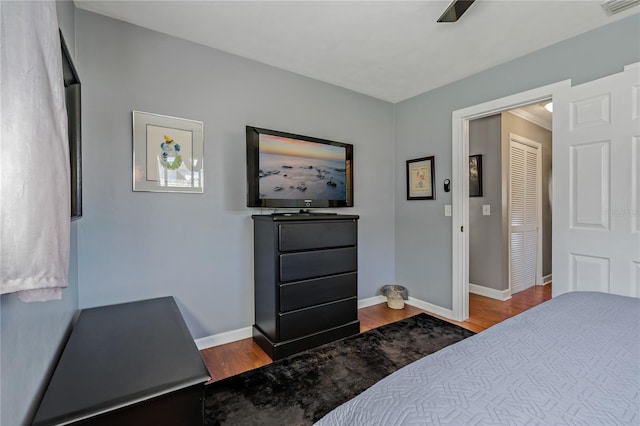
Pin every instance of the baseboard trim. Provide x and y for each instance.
(223, 338)
(490, 292)
(364, 303)
(246, 332)
(429, 307)
(546, 279)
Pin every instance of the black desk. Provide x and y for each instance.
(129, 364)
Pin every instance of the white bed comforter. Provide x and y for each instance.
(572, 360)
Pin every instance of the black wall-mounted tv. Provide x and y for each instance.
(287, 170)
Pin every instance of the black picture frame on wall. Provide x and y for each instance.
(74, 120)
(475, 175)
(421, 178)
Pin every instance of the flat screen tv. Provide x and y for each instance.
(287, 170)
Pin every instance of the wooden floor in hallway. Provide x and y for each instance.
(244, 355)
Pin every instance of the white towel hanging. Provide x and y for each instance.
(34, 154)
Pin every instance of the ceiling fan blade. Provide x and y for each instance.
(455, 10)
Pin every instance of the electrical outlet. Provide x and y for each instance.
(486, 210)
(447, 210)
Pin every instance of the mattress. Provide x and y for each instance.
(572, 360)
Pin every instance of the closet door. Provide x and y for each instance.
(524, 213)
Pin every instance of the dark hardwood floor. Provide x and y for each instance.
(237, 357)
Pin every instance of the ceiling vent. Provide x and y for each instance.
(612, 7)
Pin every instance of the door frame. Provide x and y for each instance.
(513, 137)
(460, 183)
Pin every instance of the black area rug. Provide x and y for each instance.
(302, 388)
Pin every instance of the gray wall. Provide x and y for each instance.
(33, 333)
(198, 247)
(486, 262)
(423, 127)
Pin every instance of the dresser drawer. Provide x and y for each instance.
(312, 264)
(306, 236)
(301, 294)
(311, 320)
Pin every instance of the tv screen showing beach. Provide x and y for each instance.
(297, 169)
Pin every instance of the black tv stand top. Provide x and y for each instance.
(303, 212)
(303, 215)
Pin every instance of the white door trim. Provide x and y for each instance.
(538, 147)
(460, 183)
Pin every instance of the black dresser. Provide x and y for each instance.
(128, 364)
(305, 281)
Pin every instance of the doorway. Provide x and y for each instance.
(510, 210)
(460, 183)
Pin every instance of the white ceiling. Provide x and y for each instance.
(391, 50)
(536, 113)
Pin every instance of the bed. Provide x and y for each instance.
(574, 359)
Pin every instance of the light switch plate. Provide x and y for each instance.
(447, 210)
(486, 209)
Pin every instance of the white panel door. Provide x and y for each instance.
(524, 212)
(596, 155)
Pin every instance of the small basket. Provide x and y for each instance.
(396, 294)
(395, 301)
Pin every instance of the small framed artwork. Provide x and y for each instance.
(168, 153)
(420, 178)
(475, 175)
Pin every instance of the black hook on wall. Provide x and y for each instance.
(447, 185)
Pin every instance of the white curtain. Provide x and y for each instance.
(34, 153)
